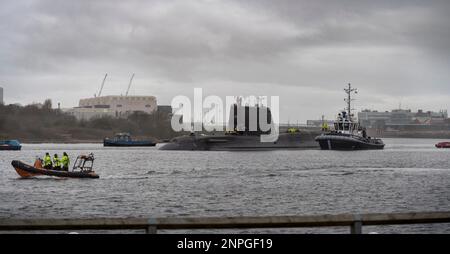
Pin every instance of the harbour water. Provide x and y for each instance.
(408, 175)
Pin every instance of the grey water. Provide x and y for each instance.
(409, 175)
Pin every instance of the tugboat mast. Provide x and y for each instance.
(349, 91)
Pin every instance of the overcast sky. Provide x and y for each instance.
(304, 51)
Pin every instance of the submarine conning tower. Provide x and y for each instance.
(245, 120)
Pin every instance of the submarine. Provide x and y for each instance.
(243, 138)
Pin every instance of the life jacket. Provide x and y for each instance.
(56, 162)
(65, 161)
(47, 160)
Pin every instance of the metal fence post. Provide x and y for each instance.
(356, 227)
(151, 226)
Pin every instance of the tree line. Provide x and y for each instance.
(42, 123)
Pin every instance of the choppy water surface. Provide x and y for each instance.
(409, 175)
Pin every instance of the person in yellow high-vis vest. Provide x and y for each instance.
(65, 161)
(56, 162)
(47, 161)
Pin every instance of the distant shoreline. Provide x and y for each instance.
(411, 134)
(62, 142)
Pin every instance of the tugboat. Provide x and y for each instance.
(347, 134)
(124, 139)
(10, 145)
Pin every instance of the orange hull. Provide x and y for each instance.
(24, 173)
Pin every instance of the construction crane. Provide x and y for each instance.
(129, 85)
(103, 83)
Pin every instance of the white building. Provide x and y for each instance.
(114, 106)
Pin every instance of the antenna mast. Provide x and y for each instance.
(103, 83)
(129, 85)
(349, 91)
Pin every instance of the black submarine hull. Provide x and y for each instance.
(302, 140)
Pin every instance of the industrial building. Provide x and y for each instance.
(113, 106)
(397, 119)
(402, 118)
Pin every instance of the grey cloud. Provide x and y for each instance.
(387, 48)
